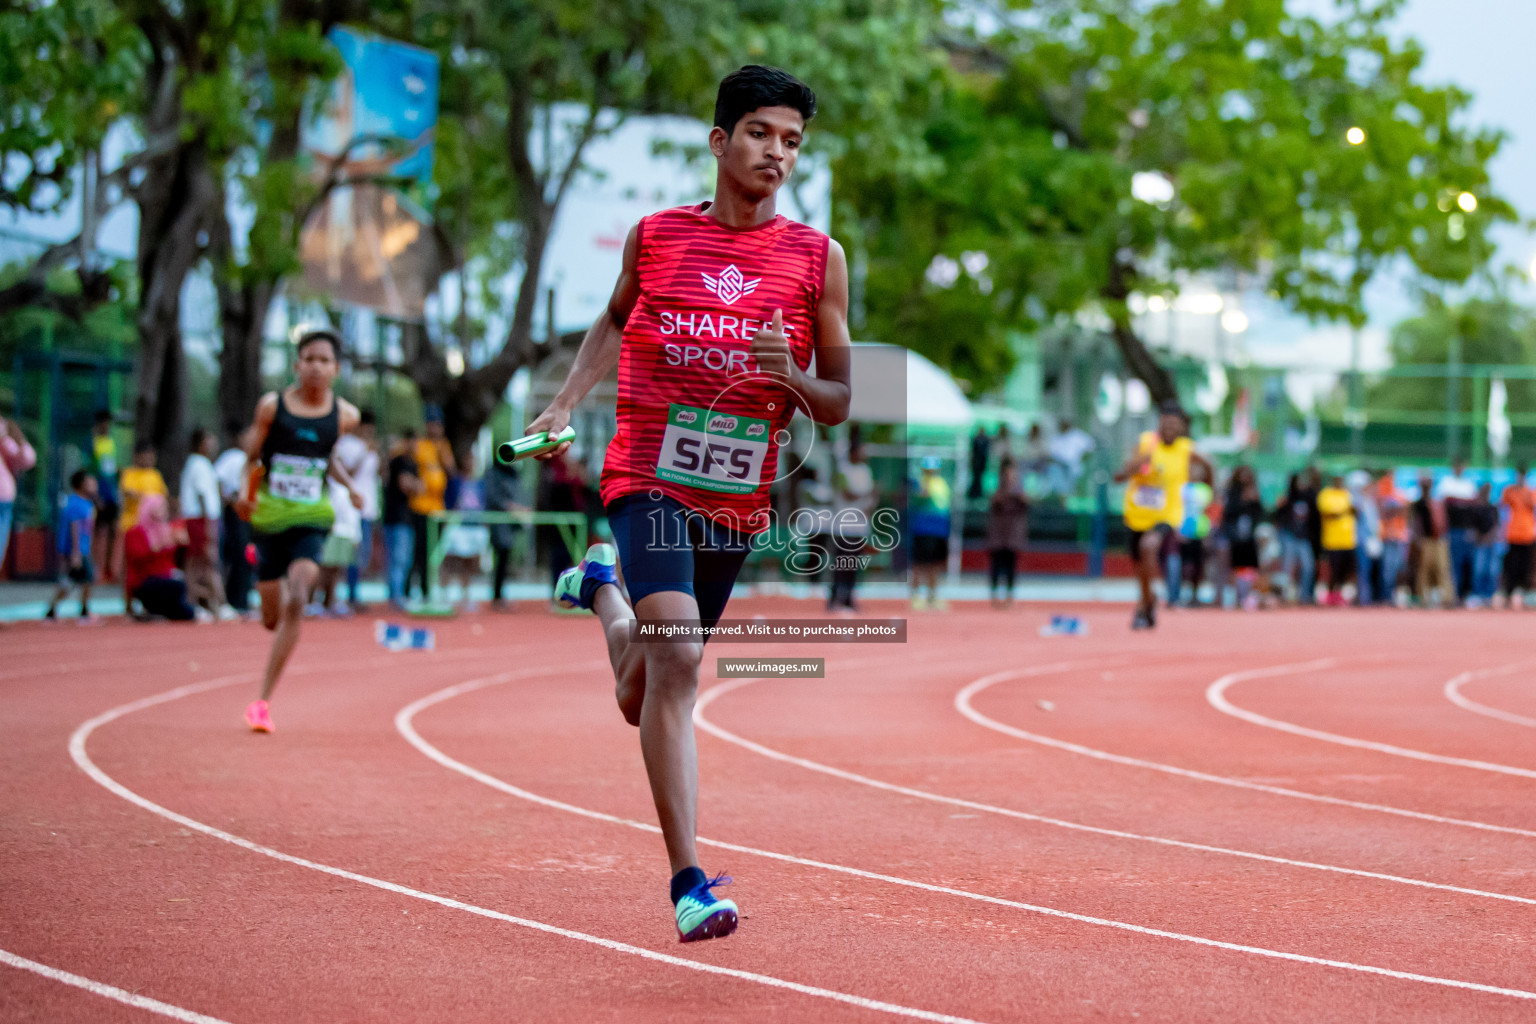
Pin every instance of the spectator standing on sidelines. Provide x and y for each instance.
(1458, 494)
(1428, 518)
(434, 465)
(1240, 520)
(358, 454)
(337, 555)
(400, 486)
(235, 538)
(77, 522)
(465, 543)
(1519, 502)
(1007, 528)
(930, 532)
(16, 457)
(855, 496)
(201, 511)
(980, 446)
(1339, 534)
(501, 495)
(1368, 544)
(563, 481)
(1297, 520)
(1069, 446)
(1485, 554)
(1392, 506)
(103, 467)
(1193, 532)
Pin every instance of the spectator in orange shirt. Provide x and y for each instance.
(1520, 535)
(1393, 506)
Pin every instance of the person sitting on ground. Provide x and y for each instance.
(149, 563)
(77, 523)
(137, 480)
(1007, 528)
(1338, 514)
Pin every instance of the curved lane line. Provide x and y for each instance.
(964, 706)
(1455, 696)
(718, 691)
(714, 692)
(109, 991)
(77, 750)
(1216, 694)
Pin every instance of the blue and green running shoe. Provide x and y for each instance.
(576, 587)
(701, 916)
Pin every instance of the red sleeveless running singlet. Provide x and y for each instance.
(696, 421)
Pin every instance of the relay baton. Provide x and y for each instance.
(509, 452)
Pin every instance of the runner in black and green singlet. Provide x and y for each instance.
(288, 463)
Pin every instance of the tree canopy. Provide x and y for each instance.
(996, 167)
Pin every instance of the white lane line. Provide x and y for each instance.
(963, 704)
(106, 991)
(716, 691)
(1216, 694)
(77, 742)
(1455, 696)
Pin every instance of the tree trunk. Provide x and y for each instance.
(1138, 359)
(174, 201)
(243, 312)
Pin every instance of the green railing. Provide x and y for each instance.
(572, 527)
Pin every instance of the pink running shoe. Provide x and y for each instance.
(258, 717)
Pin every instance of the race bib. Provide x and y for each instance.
(297, 478)
(1153, 498)
(714, 451)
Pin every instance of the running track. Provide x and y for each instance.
(1282, 817)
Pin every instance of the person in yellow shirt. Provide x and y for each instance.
(137, 481)
(1154, 478)
(434, 464)
(1337, 510)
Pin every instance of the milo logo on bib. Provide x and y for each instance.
(727, 455)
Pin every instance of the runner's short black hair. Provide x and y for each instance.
(753, 87)
(1171, 407)
(311, 335)
(365, 416)
(77, 479)
(103, 416)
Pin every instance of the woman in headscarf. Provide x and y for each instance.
(150, 562)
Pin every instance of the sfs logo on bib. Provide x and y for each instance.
(727, 455)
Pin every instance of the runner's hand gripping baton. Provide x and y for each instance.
(527, 447)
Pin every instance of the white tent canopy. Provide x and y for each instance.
(896, 385)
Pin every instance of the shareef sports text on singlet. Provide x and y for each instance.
(697, 420)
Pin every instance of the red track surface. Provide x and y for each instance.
(877, 903)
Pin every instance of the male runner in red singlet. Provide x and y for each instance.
(287, 499)
(716, 316)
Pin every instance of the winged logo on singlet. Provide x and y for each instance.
(730, 285)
